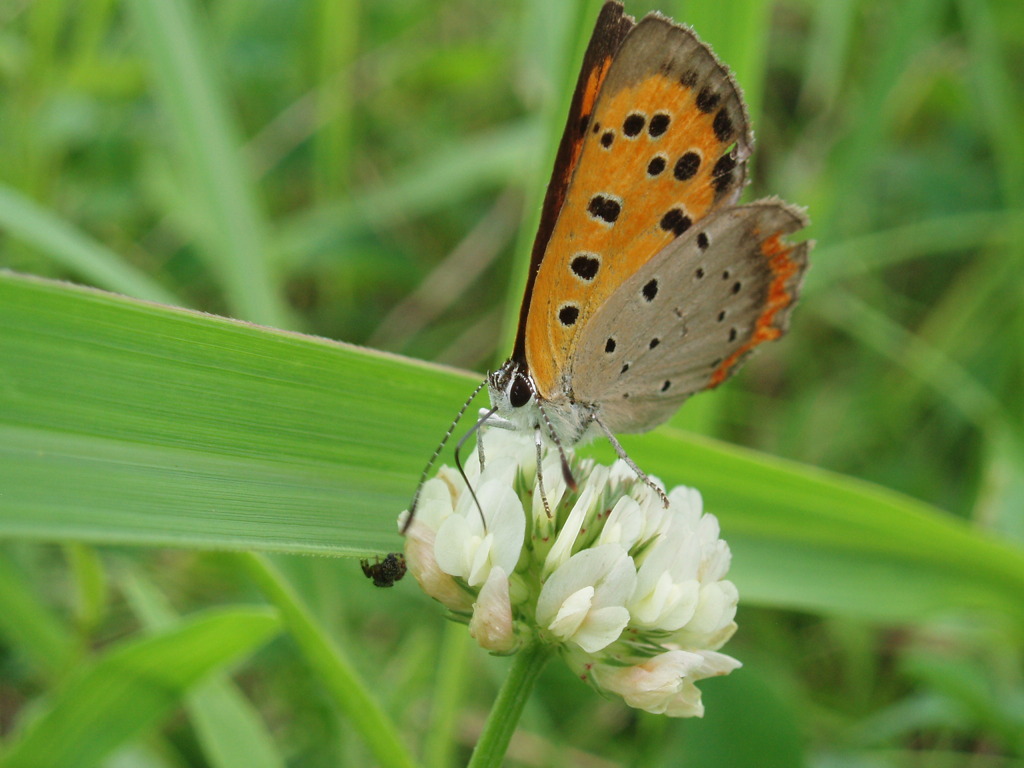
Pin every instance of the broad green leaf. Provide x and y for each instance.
(168, 427)
(131, 687)
(142, 424)
(743, 702)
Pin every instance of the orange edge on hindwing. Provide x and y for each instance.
(783, 269)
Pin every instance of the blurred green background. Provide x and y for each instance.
(371, 172)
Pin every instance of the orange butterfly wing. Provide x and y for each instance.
(667, 143)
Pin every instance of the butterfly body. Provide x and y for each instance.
(513, 394)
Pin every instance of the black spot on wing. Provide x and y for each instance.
(650, 290)
(722, 125)
(656, 166)
(605, 208)
(658, 125)
(707, 100)
(568, 314)
(687, 166)
(633, 125)
(675, 221)
(721, 174)
(585, 266)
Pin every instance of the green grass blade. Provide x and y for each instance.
(998, 96)
(73, 250)
(871, 118)
(235, 231)
(940, 236)
(446, 177)
(89, 578)
(929, 365)
(30, 630)
(337, 673)
(229, 728)
(131, 687)
(337, 45)
(174, 428)
(828, 53)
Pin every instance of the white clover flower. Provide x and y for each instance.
(435, 507)
(465, 550)
(584, 599)
(582, 510)
(664, 684)
(631, 593)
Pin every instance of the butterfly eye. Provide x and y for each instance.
(519, 394)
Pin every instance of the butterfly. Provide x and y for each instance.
(647, 282)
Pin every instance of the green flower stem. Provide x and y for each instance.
(501, 723)
(336, 672)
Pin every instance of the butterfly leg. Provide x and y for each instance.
(566, 471)
(538, 439)
(632, 464)
(480, 446)
(491, 419)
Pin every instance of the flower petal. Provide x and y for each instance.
(601, 628)
(419, 557)
(492, 625)
(463, 549)
(582, 510)
(624, 525)
(574, 601)
(572, 613)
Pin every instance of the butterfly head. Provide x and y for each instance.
(516, 399)
(511, 388)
